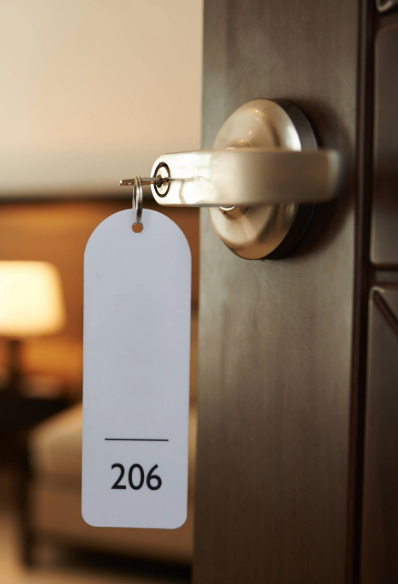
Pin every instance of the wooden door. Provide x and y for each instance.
(283, 343)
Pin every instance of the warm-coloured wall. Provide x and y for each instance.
(58, 232)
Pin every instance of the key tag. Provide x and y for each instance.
(137, 318)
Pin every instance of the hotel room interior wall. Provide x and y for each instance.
(57, 232)
(95, 91)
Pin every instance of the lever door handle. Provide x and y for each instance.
(260, 180)
(246, 176)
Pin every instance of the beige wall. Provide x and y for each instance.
(94, 90)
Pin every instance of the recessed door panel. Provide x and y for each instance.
(384, 248)
(380, 503)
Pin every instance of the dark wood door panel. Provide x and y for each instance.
(275, 336)
(380, 502)
(384, 251)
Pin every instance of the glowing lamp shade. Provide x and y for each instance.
(31, 300)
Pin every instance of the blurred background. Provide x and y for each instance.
(92, 92)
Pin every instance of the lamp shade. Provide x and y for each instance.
(31, 299)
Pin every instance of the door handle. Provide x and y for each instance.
(260, 181)
(246, 176)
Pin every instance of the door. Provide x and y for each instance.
(283, 344)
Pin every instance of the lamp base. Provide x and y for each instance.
(15, 374)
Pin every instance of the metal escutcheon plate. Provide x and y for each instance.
(269, 231)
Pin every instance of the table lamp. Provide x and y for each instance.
(31, 304)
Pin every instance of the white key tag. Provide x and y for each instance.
(137, 308)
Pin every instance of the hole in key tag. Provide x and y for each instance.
(137, 311)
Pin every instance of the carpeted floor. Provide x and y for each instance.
(52, 567)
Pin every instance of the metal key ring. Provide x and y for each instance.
(138, 197)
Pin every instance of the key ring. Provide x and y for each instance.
(138, 197)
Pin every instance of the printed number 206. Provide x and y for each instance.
(153, 482)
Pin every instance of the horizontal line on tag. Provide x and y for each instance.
(140, 439)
